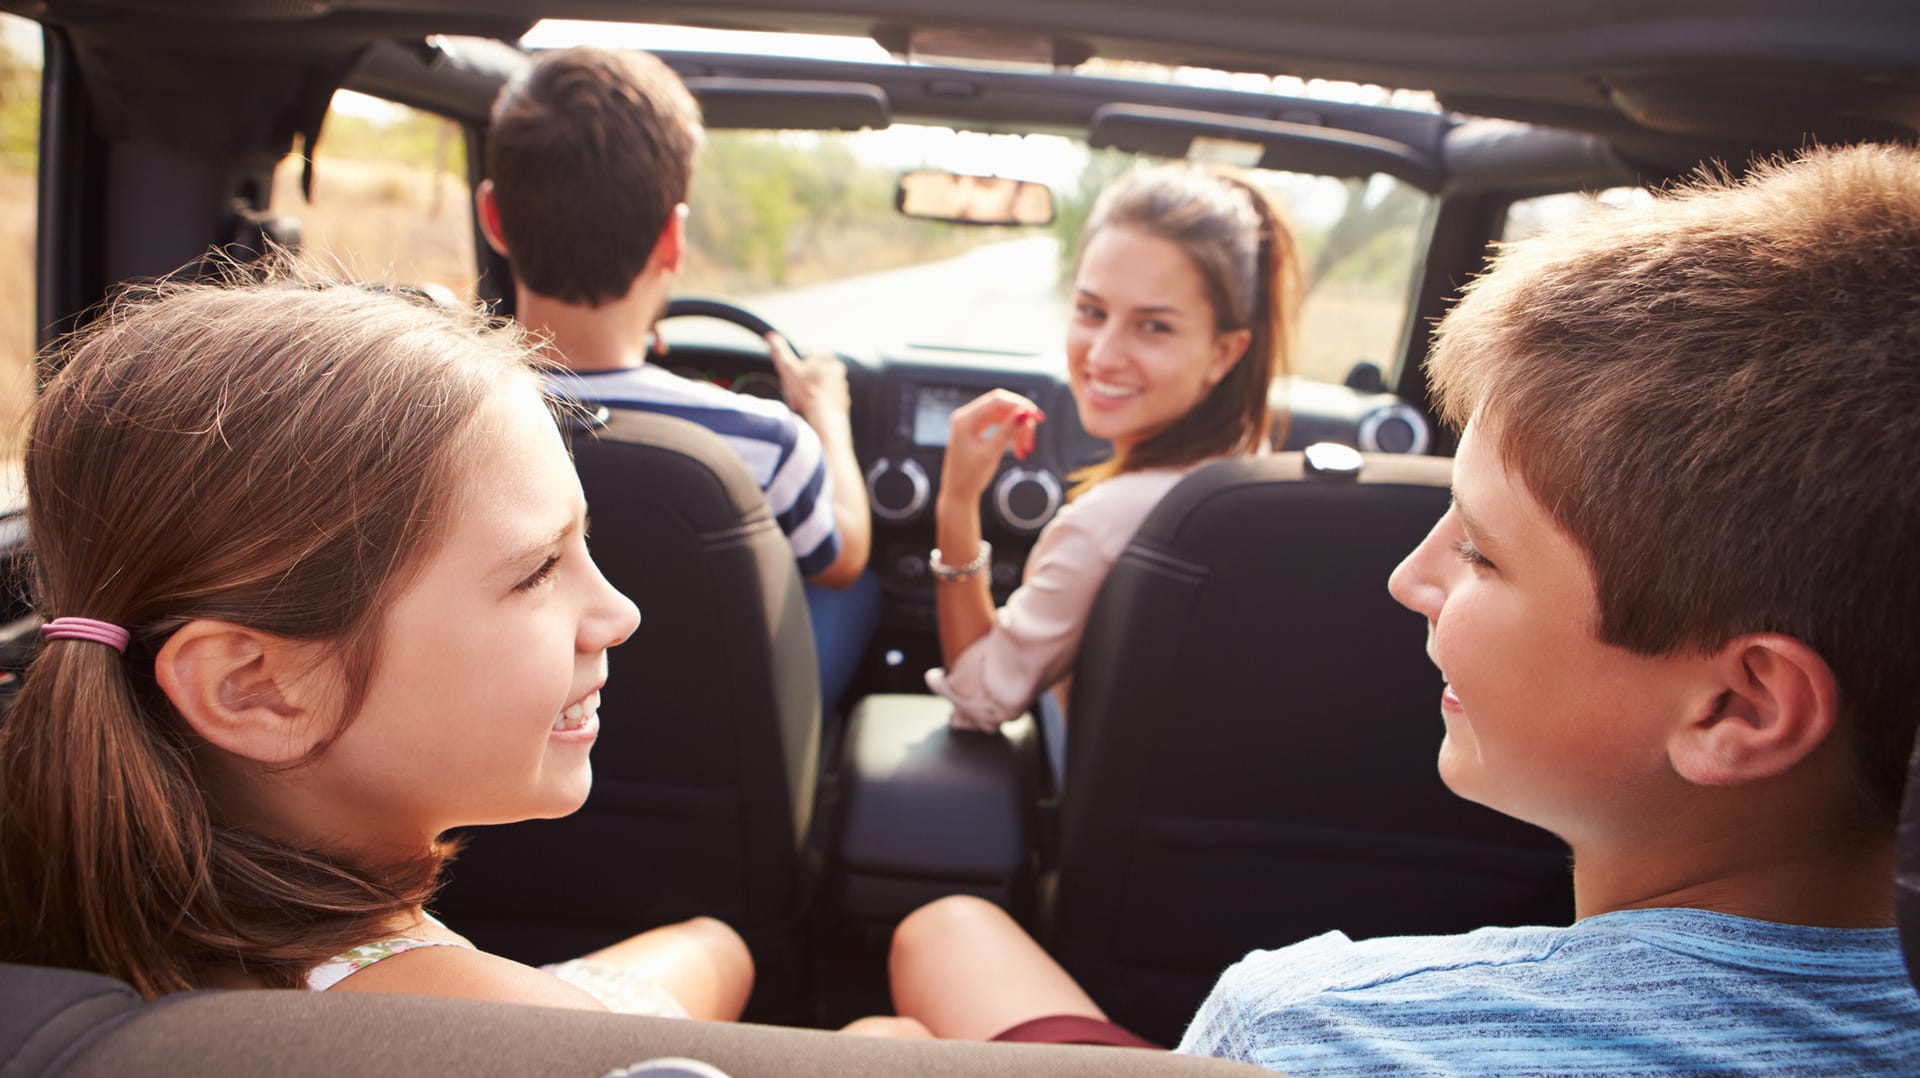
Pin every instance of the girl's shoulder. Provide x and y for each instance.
(464, 973)
(351, 961)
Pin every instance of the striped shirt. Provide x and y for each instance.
(1657, 991)
(781, 451)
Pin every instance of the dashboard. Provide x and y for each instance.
(901, 406)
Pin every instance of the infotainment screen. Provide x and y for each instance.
(933, 406)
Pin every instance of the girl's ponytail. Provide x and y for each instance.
(105, 831)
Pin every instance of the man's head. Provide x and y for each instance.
(1717, 399)
(590, 155)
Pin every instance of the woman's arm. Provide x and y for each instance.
(980, 433)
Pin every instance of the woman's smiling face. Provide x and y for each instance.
(1142, 349)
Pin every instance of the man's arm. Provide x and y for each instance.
(816, 389)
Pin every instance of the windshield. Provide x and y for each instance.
(800, 227)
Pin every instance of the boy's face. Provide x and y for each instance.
(1543, 721)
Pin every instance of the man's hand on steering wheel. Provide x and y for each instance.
(815, 386)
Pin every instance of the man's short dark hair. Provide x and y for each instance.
(589, 152)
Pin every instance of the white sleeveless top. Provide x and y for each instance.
(615, 986)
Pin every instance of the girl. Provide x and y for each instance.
(1183, 302)
(315, 567)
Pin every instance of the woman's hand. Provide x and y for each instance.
(979, 433)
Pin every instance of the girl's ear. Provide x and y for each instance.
(255, 695)
(1777, 701)
(1228, 347)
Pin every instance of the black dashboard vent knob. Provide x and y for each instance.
(1396, 428)
(897, 489)
(1026, 498)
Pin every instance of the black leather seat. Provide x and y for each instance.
(1251, 745)
(705, 768)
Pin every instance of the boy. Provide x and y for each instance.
(1677, 614)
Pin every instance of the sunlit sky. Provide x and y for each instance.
(562, 33)
(1047, 158)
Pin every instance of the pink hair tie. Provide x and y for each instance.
(99, 632)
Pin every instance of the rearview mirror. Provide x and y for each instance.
(973, 200)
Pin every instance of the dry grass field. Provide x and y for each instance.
(16, 308)
(1344, 323)
(382, 221)
(374, 220)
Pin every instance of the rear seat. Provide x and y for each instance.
(61, 1022)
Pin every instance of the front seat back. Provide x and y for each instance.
(704, 770)
(1251, 744)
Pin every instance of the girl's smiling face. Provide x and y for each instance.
(482, 702)
(1142, 349)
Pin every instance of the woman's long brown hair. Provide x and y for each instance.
(277, 454)
(1245, 253)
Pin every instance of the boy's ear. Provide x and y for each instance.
(255, 695)
(1777, 702)
(487, 208)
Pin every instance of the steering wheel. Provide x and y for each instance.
(725, 312)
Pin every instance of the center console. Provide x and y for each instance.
(915, 405)
(901, 482)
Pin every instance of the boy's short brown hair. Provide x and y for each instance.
(589, 152)
(1717, 397)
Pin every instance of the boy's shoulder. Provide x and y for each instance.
(1628, 991)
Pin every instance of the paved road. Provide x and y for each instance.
(1002, 296)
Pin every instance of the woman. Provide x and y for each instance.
(1184, 299)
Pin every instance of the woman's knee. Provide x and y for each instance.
(940, 926)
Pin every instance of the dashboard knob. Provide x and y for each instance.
(1396, 428)
(1026, 498)
(897, 489)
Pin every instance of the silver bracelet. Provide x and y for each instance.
(943, 572)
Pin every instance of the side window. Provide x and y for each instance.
(20, 51)
(1532, 216)
(390, 196)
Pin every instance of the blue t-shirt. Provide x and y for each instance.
(1657, 991)
(781, 452)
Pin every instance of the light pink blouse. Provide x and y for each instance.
(1036, 636)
